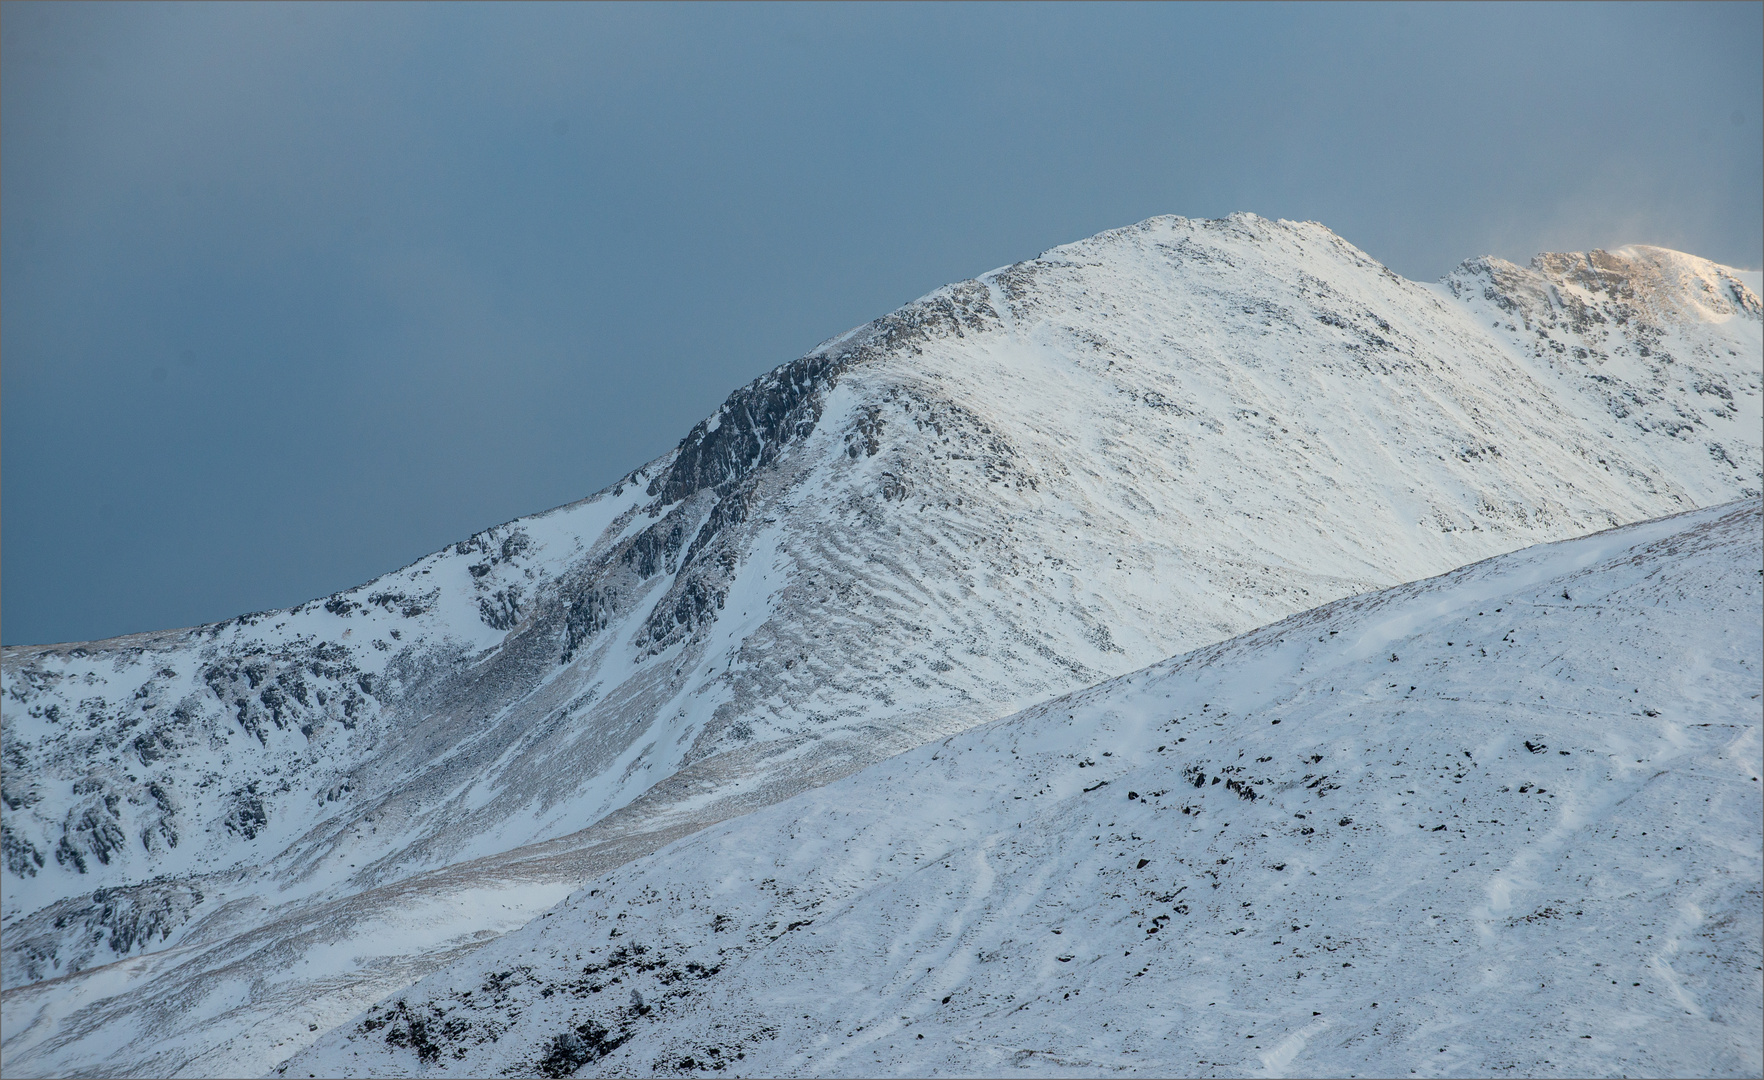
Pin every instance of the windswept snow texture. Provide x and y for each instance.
(227, 839)
(1505, 821)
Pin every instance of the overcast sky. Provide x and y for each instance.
(292, 295)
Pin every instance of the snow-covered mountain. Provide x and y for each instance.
(1507, 820)
(230, 838)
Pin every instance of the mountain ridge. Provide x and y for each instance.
(1147, 440)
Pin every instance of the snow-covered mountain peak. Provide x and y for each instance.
(1014, 487)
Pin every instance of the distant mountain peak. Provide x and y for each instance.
(1640, 281)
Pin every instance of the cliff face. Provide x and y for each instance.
(1063, 470)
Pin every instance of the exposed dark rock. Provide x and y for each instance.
(501, 610)
(20, 855)
(654, 548)
(96, 928)
(748, 432)
(247, 815)
(588, 613)
(90, 830)
(405, 605)
(570, 1050)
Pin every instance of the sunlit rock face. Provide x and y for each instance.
(1018, 486)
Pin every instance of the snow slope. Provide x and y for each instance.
(1506, 820)
(229, 838)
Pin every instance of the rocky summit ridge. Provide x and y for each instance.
(236, 837)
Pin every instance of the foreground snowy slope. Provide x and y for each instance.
(1502, 821)
(226, 839)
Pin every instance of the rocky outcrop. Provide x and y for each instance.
(87, 930)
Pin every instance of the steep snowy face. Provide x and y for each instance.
(1022, 484)
(1504, 820)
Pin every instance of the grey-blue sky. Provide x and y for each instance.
(290, 295)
